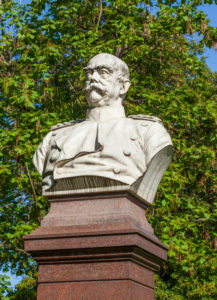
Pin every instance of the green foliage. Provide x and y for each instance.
(26, 289)
(43, 48)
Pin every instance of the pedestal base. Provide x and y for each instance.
(97, 247)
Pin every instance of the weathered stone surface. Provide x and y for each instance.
(105, 250)
(99, 290)
(99, 176)
(107, 151)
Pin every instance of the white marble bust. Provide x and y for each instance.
(107, 151)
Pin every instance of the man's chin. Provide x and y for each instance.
(95, 95)
(94, 99)
(97, 103)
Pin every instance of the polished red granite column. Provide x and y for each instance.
(97, 247)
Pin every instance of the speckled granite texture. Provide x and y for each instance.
(96, 247)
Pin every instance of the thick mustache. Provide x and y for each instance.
(95, 86)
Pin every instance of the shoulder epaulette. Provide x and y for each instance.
(65, 124)
(146, 118)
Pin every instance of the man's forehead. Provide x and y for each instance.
(101, 61)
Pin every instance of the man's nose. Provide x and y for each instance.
(95, 76)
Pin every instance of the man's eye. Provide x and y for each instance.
(103, 72)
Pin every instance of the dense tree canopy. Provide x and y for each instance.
(43, 49)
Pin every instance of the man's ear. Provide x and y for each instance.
(125, 86)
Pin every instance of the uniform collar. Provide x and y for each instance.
(105, 113)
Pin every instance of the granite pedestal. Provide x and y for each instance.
(96, 247)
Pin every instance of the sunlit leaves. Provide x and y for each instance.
(44, 48)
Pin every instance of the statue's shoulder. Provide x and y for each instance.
(146, 118)
(65, 124)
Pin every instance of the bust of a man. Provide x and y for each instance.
(107, 151)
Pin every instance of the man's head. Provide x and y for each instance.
(107, 80)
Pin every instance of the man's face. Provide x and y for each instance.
(102, 84)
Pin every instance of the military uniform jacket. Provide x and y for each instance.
(106, 144)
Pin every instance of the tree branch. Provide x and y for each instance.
(32, 185)
(100, 14)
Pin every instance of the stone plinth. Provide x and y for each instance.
(97, 247)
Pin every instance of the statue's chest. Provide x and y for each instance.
(111, 138)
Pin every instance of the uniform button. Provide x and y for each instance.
(54, 156)
(116, 170)
(52, 159)
(134, 137)
(54, 133)
(59, 171)
(127, 152)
